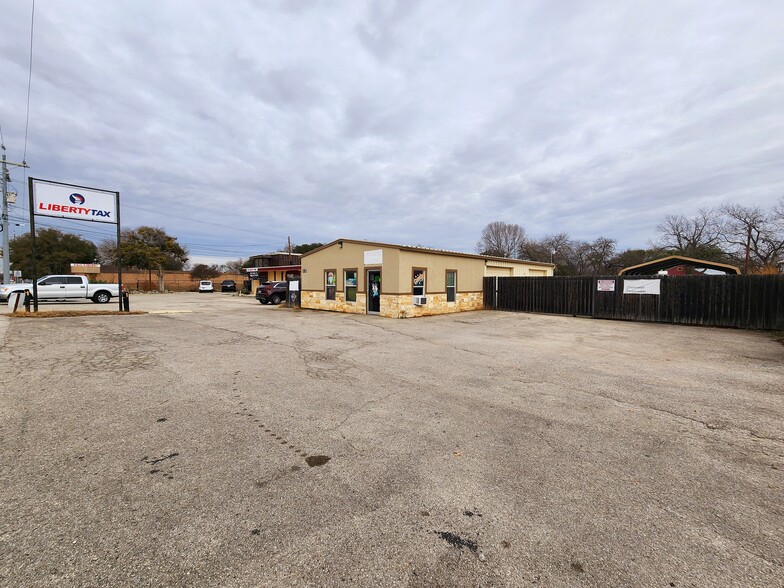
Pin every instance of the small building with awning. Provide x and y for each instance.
(678, 265)
(399, 281)
(279, 266)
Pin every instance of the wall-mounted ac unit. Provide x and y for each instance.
(420, 300)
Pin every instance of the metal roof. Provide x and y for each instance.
(651, 267)
(430, 250)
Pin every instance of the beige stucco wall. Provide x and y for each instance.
(470, 272)
(509, 268)
(350, 256)
(493, 270)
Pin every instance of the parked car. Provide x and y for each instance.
(228, 286)
(271, 292)
(206, 286)
(65, 287)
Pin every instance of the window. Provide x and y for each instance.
(419, 282)
(331, 286)
(350, 285)
(451, 285)
(76, 280)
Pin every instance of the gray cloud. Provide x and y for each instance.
(413, 122)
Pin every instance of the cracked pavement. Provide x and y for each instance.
(220, 442)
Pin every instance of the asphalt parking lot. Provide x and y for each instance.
(219, 442)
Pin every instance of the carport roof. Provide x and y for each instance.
(651, 267)
(430, 250)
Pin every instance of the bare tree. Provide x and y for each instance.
(591, 258)
(699, 236)
(778, 214)
(501, 239)
(534, 250)
(754, 236)
(579, 262)
(630, 257)
(550, 248)
(600, 252)
(235, 267)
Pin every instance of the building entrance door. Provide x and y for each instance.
(373, 291)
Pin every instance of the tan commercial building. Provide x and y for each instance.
(397, 281)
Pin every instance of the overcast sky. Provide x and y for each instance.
(234, 125)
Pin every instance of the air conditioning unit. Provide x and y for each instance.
(420, 300)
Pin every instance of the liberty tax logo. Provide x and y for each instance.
(76, 199)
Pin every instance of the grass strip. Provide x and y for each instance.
(70, 313)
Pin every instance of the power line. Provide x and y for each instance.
(220, 245)
(95, 233)
(29, 82)
(197, 220)
(233, 228)
(95, 229)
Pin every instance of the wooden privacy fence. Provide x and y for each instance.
(559, 295)
(747, 302)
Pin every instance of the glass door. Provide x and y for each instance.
(373, 291)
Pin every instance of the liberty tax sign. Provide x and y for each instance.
(74, 202)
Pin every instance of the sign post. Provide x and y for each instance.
(69, 201)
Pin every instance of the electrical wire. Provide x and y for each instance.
(29, 82)
(93, 229)
(278, 238)
(198, 220)
(96, 234)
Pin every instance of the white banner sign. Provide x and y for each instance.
(374, 257)
(64, 201)
(15, 301)
(641, 287)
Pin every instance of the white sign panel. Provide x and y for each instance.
(374, 257)
(605, 285)
(63, 201)
(641, 287)
(14, 301)
(294, 286)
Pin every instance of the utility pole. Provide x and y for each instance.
(6, 251)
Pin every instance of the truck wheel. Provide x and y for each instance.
(101, 297)
(275, 299)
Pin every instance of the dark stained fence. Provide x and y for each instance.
(557, 295)
(748, 302)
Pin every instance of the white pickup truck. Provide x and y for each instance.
(64, 288)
